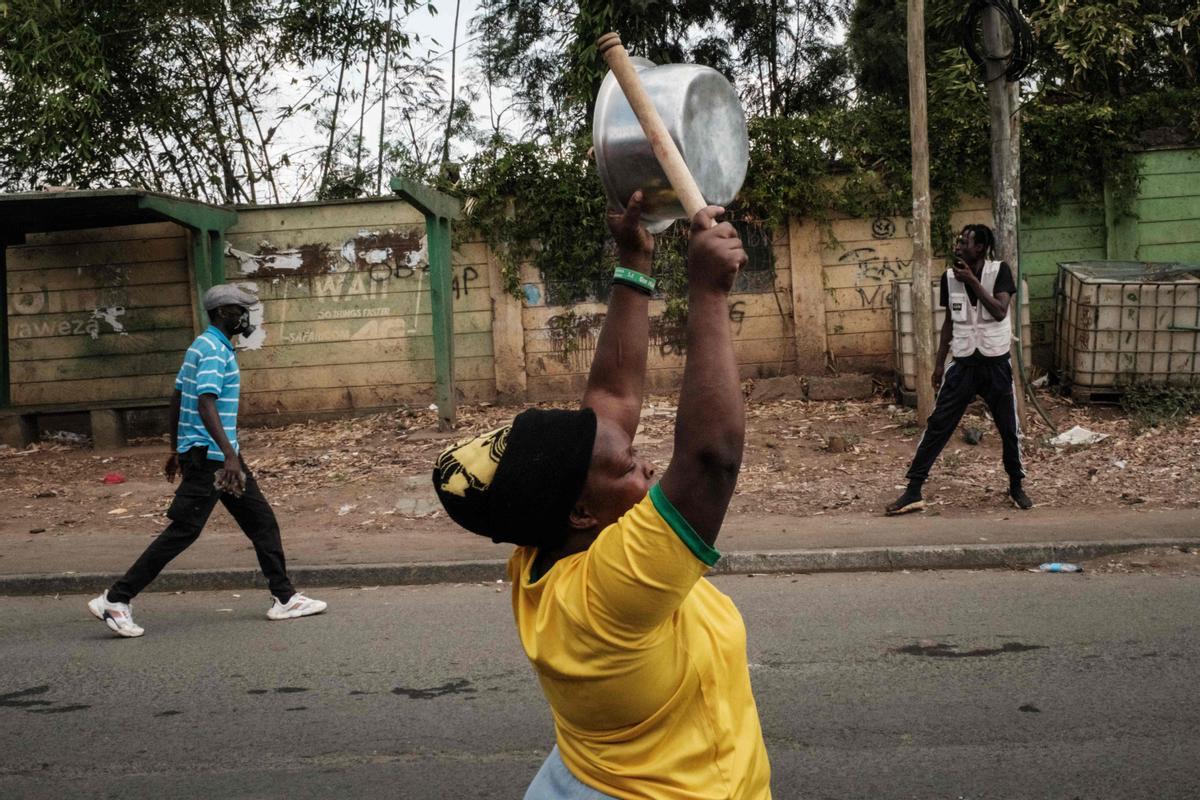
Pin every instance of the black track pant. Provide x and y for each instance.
(963, 381)
(194, 501)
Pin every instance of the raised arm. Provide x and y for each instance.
(618, 375)
(711, 421)
(996, 305)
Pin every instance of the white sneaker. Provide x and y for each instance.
(116, 616)
(298, 606)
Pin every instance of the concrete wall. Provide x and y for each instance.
(98, 315)
(860, 258)
(346, 323)
(858, 261)
(559, 341)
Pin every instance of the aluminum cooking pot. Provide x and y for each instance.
(702, 113)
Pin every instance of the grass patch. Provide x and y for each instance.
(1152, 406)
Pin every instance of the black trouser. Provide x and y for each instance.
(194, 501)
(993, 381)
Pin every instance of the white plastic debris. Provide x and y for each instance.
(1040, 382)
(346, 509)
(1120, 463)
(1078, 437)
(65, 437)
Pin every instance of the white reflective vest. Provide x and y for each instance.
(974, 326)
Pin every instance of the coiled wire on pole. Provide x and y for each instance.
(1021, 55)
(1019, 60)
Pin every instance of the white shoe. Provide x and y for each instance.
(116, 616)
(298, 606)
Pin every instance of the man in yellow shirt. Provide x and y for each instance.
(643, 661)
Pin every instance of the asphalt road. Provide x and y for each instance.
(923, 685)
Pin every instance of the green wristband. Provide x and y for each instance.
(634, 279)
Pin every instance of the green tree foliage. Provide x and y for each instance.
(182, 95)
(829, 125)
(1106, 78)
(777, 51)
(878, 55)
(75, 85)
(545, 52)
(1118, 48)
(563, 232)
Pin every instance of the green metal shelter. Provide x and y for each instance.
(42, 212)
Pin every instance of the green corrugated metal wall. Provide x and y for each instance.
(1168, 207)
(1074, 233)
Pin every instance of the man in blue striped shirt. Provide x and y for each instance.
(204, 450)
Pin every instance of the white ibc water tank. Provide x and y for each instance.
(1120, 323)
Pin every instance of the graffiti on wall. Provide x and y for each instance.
(29, 302)
(109, 315)
(79, 326)
(670, 336)
(737, 315)
(574, 337)
(92, 323)
(883, 228)
(873, 267)
(880, 296)
(461, 283)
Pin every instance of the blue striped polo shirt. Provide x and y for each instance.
(210, 367)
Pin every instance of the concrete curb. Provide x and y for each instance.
(853, 559)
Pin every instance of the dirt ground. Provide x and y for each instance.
(802, 459)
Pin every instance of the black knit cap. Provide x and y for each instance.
(518, 484)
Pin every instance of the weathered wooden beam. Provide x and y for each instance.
(921, 267)
(1006, 168)
(808, 296)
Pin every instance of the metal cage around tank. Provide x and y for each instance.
(1121, 323)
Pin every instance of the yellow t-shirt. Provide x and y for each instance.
(644, 662)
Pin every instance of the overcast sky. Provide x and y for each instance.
(436, 34)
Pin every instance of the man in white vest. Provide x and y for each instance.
(975, 293)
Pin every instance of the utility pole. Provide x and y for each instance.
(1003, 98)
(922, 269)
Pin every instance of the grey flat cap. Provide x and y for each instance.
(226, 294)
